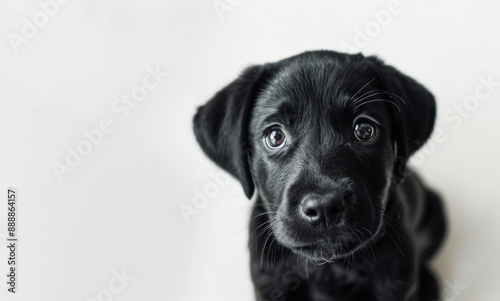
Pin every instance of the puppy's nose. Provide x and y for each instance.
(322, 209)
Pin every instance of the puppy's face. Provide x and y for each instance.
(323, 156)
(321, 136)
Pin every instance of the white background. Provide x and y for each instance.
(119, 208)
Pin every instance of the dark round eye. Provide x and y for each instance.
(275, 138)
(364, 131)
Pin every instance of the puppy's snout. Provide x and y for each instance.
(322, 209)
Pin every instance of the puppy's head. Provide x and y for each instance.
(321, 136)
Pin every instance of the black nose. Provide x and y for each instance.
(322, 209)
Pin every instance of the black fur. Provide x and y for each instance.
(335, 217)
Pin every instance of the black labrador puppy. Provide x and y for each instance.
(323, 139)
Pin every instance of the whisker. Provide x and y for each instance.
(368, 95)
(263, 250)
(377, 100)
(268, 225)
(356, 94)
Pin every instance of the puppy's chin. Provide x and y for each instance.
(320, 253)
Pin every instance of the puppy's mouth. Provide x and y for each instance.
(328, 248)
(328, 251)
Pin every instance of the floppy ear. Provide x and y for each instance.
(413, 125)
(221, 126)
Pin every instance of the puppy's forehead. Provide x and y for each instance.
(314, 88)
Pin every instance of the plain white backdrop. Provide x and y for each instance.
(64, 71)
